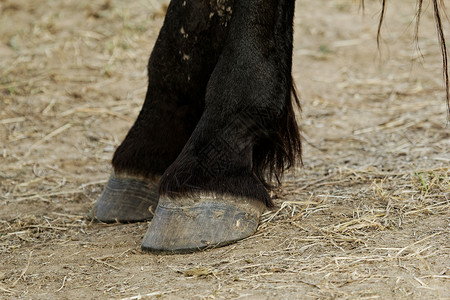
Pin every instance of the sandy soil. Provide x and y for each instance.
(366, 217)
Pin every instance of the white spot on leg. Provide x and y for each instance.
(183, 33)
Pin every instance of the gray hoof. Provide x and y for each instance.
(189, 224)
(126, 199)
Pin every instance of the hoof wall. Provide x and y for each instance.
(191, 224)
(126, 199)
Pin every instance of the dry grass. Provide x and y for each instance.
(366, 217)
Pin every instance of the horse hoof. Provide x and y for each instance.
(183, 225)
(126, 199)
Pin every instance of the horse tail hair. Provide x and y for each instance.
(439, 11)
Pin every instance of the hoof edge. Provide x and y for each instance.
(189, 224)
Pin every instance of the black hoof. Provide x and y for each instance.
(126, 199)
(191, 224)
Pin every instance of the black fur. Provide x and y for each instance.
(235, 89)
(248, 126)
(185, 53)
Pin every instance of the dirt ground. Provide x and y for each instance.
(366, 217)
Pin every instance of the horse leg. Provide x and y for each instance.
(185, 53)
(214, 192)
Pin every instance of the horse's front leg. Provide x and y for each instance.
(214, 192)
